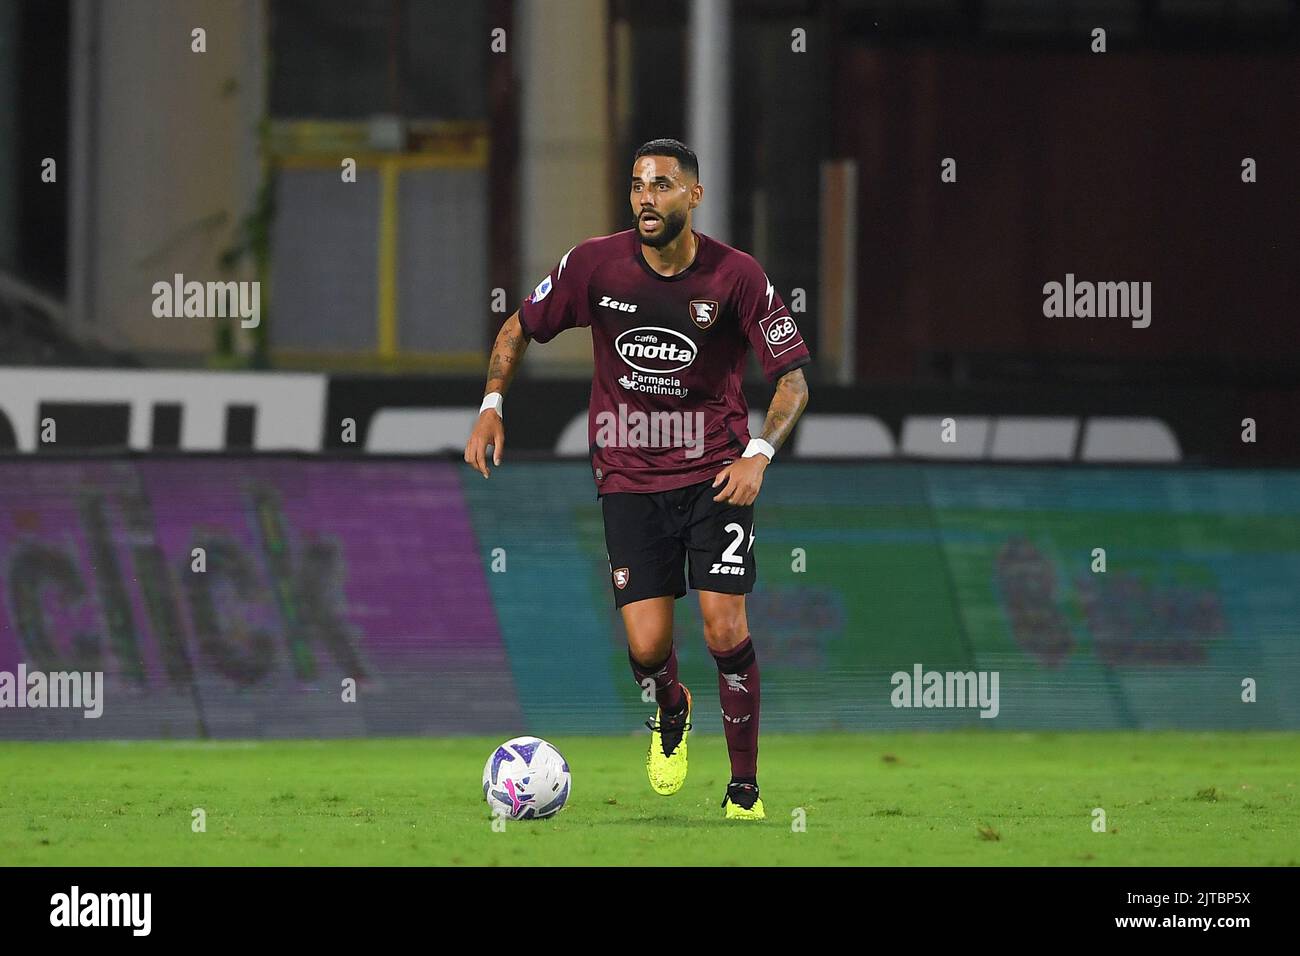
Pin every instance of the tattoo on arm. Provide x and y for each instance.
(506, 354)
(787, 405)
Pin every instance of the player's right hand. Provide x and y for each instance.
(489, 431)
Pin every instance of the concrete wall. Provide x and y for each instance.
(168, 140)
(564, 150)
(9, 172)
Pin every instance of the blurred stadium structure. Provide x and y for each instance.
(476, 168)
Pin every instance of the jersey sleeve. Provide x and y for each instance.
(560, 300)
(767, 323)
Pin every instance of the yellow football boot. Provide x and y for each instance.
(743, 803)
(665, 764)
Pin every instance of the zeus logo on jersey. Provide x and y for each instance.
(609, 303)
(655, 350)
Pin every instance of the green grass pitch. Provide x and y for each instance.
(955, 798)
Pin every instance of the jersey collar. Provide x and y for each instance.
(699, 252)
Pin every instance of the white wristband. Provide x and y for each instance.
(494, 401)
(759, 447)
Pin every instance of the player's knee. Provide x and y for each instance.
(724, 631)
(649, 651)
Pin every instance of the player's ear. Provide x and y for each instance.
(697, 193)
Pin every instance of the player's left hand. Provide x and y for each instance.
(743, 478)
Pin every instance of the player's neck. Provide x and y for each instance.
(675, 257)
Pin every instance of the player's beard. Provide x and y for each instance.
(671, 228)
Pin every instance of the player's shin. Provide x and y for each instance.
(668, 691)
(738, 689)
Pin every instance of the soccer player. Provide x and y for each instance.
(672, 313)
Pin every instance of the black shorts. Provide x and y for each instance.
(652, 539)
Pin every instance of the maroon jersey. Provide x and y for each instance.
(666, 407)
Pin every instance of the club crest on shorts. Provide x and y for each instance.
(704, 312)
(621, 576)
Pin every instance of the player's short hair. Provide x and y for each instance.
(678, 150)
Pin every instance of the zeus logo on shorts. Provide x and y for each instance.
(720, 568)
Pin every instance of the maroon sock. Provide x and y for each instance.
(738, 689)
(668, 691)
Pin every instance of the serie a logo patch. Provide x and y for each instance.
(542, 291)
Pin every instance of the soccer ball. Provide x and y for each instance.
(526, 779)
